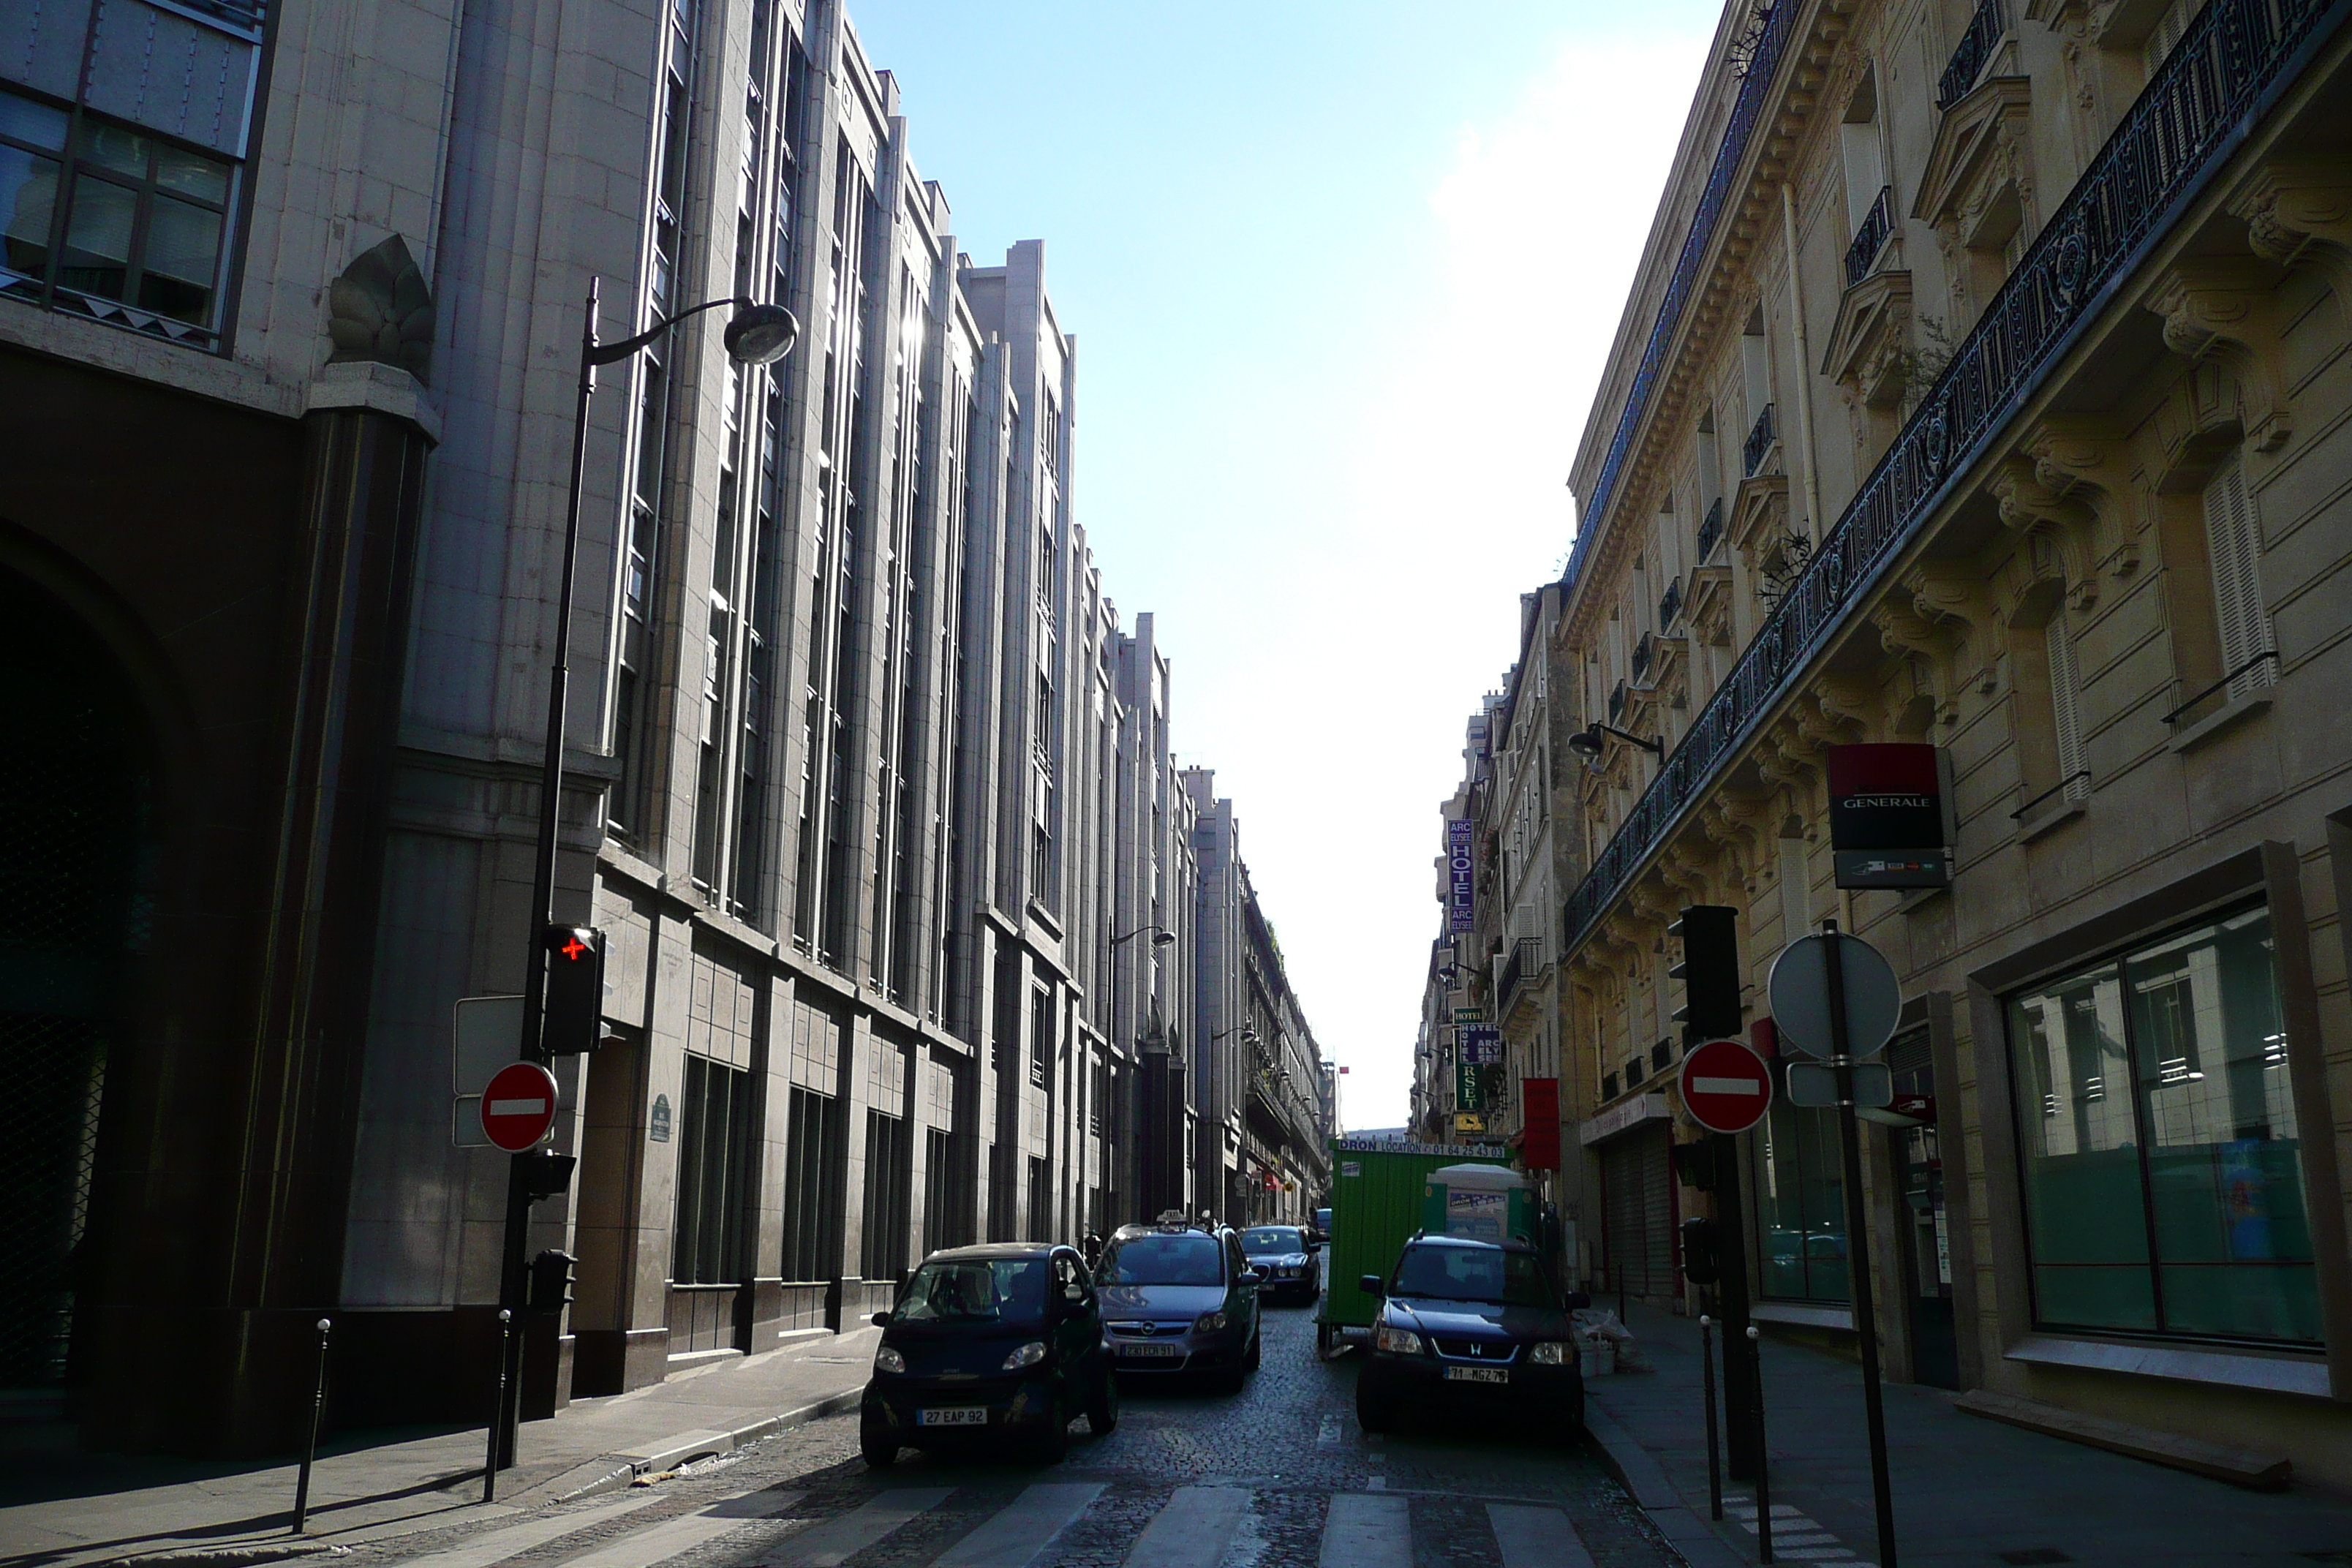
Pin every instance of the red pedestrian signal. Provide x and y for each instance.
(573, 1020)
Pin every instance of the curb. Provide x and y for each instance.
(621, 1470)
(237, 1556)
(1692, 1538)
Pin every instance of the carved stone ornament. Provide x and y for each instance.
(380, 311)
(1982, 148)
(2220, 309)
(2301, 211)
(1870, 342)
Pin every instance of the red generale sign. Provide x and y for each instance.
(1886, 817)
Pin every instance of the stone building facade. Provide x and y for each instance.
(1984, 385)
(869, 786)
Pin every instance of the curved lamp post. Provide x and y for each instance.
(1587, 744)
(1162, 940)
(758, 334)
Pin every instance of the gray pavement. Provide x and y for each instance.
(63, 1508)
(1968, 1491)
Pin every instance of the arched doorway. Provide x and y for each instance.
(75, 797)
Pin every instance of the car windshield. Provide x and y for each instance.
(1473, 1274)
(1191, 1259)
(1322, 1219)
(975, 1290)
(1278, 1239)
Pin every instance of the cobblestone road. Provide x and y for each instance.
(1276, 1476)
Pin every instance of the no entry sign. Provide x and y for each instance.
(1726, 1086)
(518, 1106)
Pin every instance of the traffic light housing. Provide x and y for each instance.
(552, 1275)
(1702, 1251)
(547, 1175)
(573, 1020)
(1709, 971)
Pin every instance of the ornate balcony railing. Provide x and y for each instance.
(1760, 436)
(1642, 651)
(1670, 603)
(1710, 532)
(1877, 223)
(1755, 86)
(1968, 60)
(1524, 964)
(1617, 703)
(2235, 60)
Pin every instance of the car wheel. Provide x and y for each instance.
(1374, 1413)
(1102, 1411)
(1570, 1431)
(1250, 1356)
(880, 1453)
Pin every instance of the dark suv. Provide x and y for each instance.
(988, 1343)
(1473, 1326)
(1180, 1300)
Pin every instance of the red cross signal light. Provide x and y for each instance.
(573, 1020)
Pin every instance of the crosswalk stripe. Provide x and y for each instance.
(1192, 1530)
(1363, 1531)
(834, 1542)
(1533, 1537)
(1018, 1535)
(660, 1542)
(498, 1545)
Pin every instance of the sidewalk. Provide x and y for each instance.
(59, 1508)
(1967, 1490)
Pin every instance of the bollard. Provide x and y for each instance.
(1763, 1468)
(317, 1408)
(1707, 1382)
(497, 1410)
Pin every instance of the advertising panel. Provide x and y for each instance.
(1461, 909)
(1886, 817)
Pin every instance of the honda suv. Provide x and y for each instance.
(1474, 1326)
(1181, 1300)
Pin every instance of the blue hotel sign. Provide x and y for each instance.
(1460, 907)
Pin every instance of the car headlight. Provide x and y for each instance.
(889, 1360)
(1552, 1353)
(1209, 1322)
(1403, 1341)
(1029, 1354)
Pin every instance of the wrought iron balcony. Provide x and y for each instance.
(1968, 60)
(2168, 148)
(1617, 703)
(1710, 532)
(1670, 602)
(1760, 436)
(1642, 659)
(1524, 964)
(1877, 223)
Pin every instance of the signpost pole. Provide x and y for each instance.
(1763, 1470)
(1743, 1393)
(1857, 1214)
(1706, 1383)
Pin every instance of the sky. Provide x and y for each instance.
(1343, 276)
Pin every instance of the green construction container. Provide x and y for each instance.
(1379, 1197)
(1479, 1200)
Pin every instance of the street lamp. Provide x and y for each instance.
(758, 334)
(1162, 940)
(1587, 744)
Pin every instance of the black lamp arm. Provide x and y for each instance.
(608, 353)
(1656, 748)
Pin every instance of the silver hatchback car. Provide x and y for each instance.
(1179, 1300)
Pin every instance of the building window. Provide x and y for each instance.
(714, 1123)
(2234, 545)
(1041, 1035)
(1799, 1207)
(813, 1135)
(2163, 1174)
(882, 1251)
(128, 219)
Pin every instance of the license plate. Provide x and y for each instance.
(1159, 1353)
(1477, 1374)
(962, 1415)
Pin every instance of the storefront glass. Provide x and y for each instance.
(1799, 1206)
(2163, 1176)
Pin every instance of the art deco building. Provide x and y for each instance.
(868, 787)
(1984, 386)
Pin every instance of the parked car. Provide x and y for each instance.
(1474, 1327)
(1286, 1256)
(1181, 1300)
(1318, 1230)
(986, 1344)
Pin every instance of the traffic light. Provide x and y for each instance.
(1702, 1257)
(551, 1279)
(575, 1018)
(1709, 971)
(547, 1175)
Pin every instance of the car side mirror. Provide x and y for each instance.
(1371, 1286)
(1253, 1274)
(881, 1320)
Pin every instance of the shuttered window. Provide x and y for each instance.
(2066, 707)
(2234, 545)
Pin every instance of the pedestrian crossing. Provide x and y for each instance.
(1203, 1526)
(1796, 1538)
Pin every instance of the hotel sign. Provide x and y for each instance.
(1461, 909)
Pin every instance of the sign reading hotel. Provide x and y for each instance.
(1461, 909)
(1886, 817)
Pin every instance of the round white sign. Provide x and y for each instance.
(1800, 995)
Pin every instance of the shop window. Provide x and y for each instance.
(2162, 1169)
(1800, 1206)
